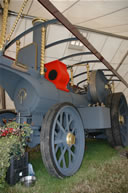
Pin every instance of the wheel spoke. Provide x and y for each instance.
(122, 130)
(62, 154)
(56, 148)
(60, 127)
(58, 141)
(71, 152)
(125, 125)
(69, 156)
(70, 121)
(55, 133)
(73, 130)
(63, 159)
(122, 133)
(61, 115)
(64, 163)
(74, 145)
(121, 104)
(123, 137)
(67, 122)
(121, 107)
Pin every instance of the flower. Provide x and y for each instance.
(6, 131)
(13, 137)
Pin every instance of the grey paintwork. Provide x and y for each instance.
(92, 115)
(33, 95)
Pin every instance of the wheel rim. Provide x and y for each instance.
(67, 141)
(123, 120)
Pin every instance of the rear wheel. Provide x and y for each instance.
(118, 133)
(62, 140)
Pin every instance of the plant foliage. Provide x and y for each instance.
(13, 137)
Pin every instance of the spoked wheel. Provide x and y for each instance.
(62, 140)
(118, 133)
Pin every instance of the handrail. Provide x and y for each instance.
(30, 30)
(73, 55)
(90, 71)
(84, 62)
(81, 82)
(60, 42)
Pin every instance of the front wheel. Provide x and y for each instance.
(62, 140)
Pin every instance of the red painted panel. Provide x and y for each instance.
(57, 74)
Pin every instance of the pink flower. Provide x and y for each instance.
(10, 130)
(4, 133)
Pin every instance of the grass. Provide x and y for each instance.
(102, 171)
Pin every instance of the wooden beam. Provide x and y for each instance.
(56, 13)
(121, 62)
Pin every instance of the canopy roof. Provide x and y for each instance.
(106, 15)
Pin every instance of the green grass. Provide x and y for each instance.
(98, 158)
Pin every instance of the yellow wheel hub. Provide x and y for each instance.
(70, 139)
(121, 119)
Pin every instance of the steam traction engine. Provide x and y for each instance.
(61, 114)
